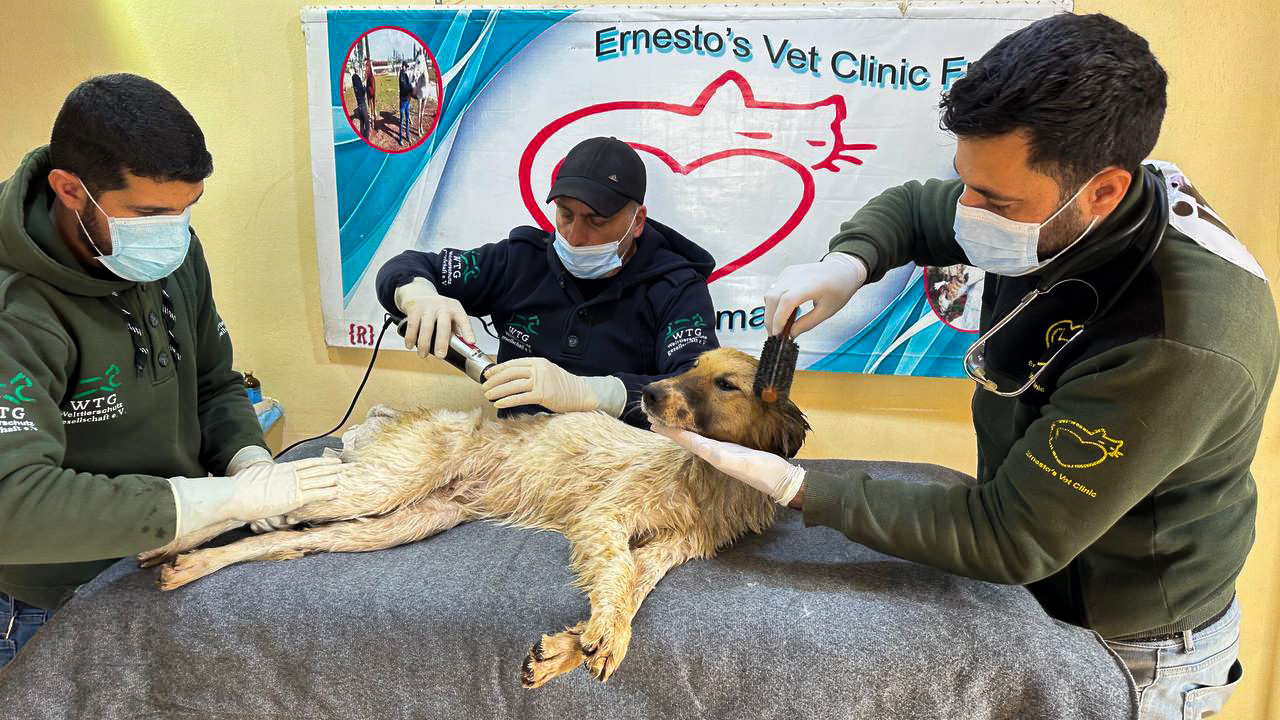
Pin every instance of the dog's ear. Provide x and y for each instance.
(784, 429)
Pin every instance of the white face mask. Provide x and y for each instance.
(1003, 246)
(591, 261)
(143, 249)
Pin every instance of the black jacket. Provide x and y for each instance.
(651, 322)
(406, 87)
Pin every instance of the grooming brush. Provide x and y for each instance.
(777, 365)
(463, 355)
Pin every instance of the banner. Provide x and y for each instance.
(761, 128)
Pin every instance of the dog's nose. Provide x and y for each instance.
(653, 394)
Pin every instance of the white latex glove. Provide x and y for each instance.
(254, 455)
(258, 491)
(246, 456)
(763, 471)
(431, 315)
(538, 381)
(828, 284)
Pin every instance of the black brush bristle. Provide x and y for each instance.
(777, 366)
(768, 361)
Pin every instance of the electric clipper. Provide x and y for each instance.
(461, 354)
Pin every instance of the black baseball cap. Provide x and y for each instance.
(603, 172)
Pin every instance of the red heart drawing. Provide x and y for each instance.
(730, 78)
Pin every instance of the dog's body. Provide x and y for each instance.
(632, 504)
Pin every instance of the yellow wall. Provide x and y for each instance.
(239, 68)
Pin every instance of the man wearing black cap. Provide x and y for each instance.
(586, 315)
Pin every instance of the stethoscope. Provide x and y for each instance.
(1152, 219)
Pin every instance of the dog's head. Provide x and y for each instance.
(714, 398)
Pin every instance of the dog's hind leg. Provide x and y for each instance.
(654, 560)
(401, 526)
(553, 655)
(557, 654)
(600, 554)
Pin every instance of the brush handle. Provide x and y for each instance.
(786, 329)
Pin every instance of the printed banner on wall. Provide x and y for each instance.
(761, 128)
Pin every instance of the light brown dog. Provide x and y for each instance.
(632, 503)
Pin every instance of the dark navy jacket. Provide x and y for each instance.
(651, 322)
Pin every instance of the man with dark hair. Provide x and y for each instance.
(1127, 352)
(406, 94)
(117, 397)
(588, 314)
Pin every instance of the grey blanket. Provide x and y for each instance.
(793, 623)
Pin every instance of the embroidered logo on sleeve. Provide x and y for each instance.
(13, 414)
(16, 385)
(1075, 446)
(459, 266)
(685, 331)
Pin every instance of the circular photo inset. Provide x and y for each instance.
(955, 294)
(391, 89)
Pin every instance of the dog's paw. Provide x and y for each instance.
(159, 556)
(186, 568)
(552, 655)
(604, 647)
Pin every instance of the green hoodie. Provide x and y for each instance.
(87, 438)
(1118, 489)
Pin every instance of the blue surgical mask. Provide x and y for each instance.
(592, 261)
(1003, 246)
(143, 249)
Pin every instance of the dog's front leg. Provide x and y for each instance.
(403, 525)
(190, 541)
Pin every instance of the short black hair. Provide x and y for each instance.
(112, 123)
(1086, 89)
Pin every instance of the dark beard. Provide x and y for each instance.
(99, 240)
(1061, 232)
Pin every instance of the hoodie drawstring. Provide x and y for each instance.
(170, 320)
(140, 351)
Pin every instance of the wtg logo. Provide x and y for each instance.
(520, 331)
(684, 326)
(95, 399)
(14, 419)
(462, 266)
(105, 383)
(685, 331)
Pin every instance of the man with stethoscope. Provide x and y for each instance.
(1124, 363)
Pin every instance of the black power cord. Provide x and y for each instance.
(386, 323)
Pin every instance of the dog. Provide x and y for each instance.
(632, 503)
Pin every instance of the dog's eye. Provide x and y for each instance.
(725, 385)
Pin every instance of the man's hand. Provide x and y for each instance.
(763, 471)
(538, 381)
(828, 284)
(258, 491)
(431, 318)
(249, 456)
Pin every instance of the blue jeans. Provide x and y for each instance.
(404, 121)
(18, 622)
(1189, 677)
